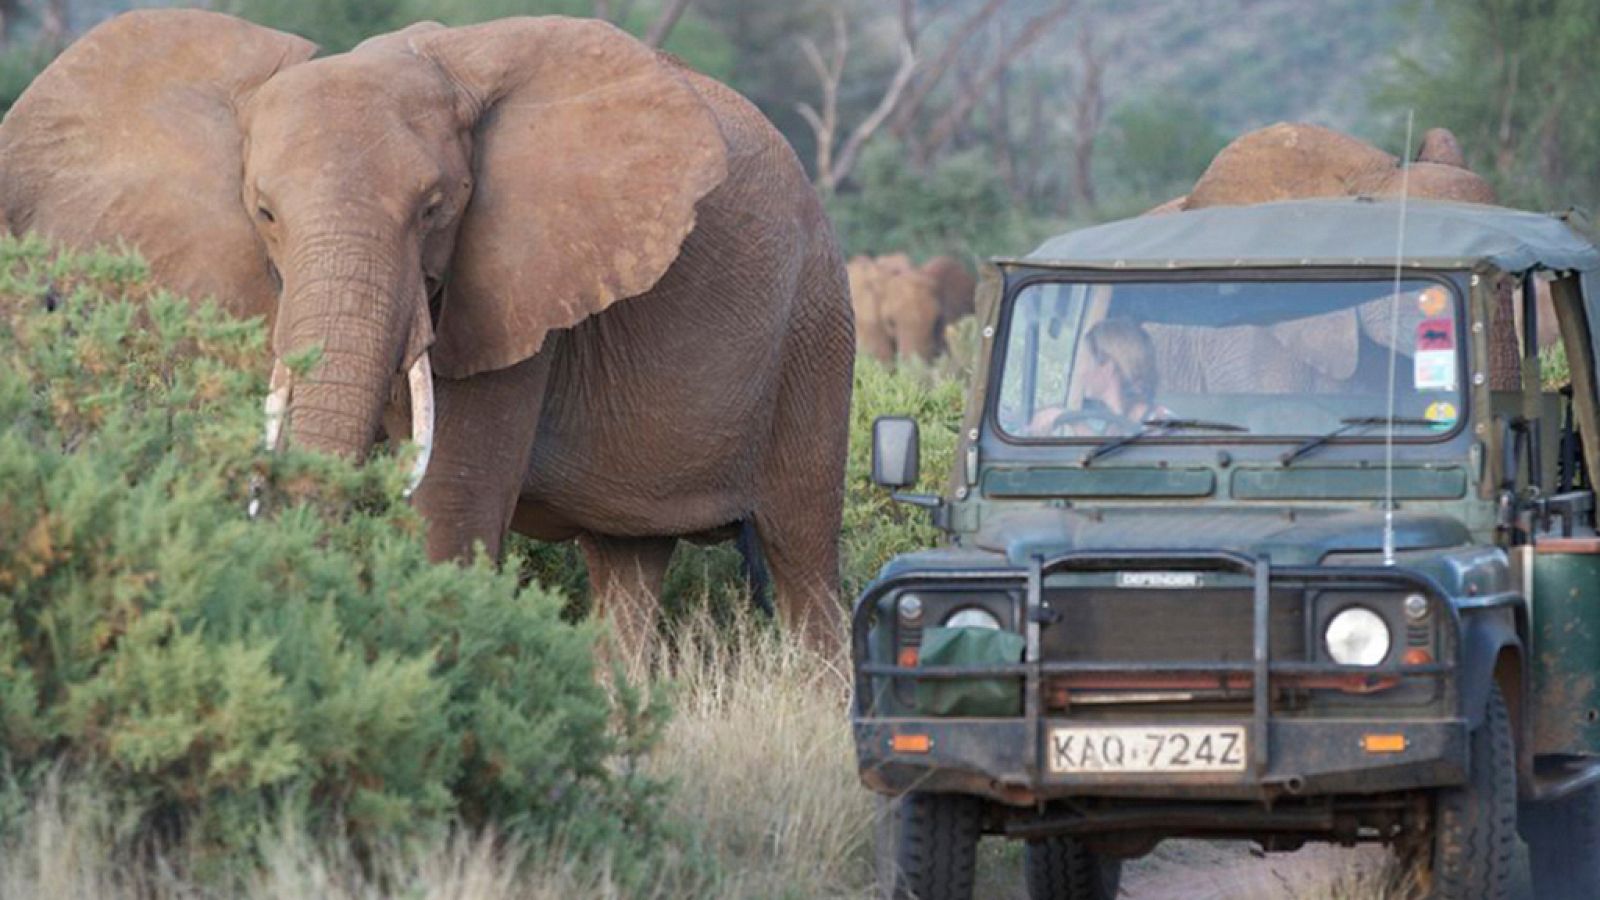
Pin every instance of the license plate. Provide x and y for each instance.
(1156, 749)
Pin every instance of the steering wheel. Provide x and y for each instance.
(1111, 420)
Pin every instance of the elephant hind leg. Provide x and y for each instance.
(800, 494)
(625, 578)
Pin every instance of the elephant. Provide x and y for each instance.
(902, 309)
(955, 287)
(597, 283)
(1297, 160)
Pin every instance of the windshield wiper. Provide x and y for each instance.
(1350, 424)
(1154, 428)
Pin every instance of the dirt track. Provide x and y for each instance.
(1198, 870)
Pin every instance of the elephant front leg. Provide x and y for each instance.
(483, 438)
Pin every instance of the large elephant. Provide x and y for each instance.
(633, 307)
(1296, 160)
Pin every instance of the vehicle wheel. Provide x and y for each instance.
(1470, 853)
(1062, 868)
(1563, 838)
(936, 846)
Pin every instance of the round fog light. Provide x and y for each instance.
(1357, 637)
(972, 617)
(1416, 607)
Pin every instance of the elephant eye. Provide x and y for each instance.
(432, 209)
(266, 215)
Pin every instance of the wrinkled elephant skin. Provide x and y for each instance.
(551, 212)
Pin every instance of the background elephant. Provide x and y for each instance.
(902, 309)
(954, 285)
(632, 304)
(1295, 160)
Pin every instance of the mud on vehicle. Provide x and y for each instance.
(1255, 531)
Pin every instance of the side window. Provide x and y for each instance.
(1560, 424)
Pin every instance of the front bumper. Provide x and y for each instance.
(995, 758)
(1301, 754)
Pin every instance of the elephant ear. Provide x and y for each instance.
(131, 134)
(590, 153)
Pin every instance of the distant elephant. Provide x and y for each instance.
(477, 201)
(955, 287)
(1288, 161)
(897, 309)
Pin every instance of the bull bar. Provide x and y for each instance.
(1033, 670)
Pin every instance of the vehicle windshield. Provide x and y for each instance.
(1285, 358)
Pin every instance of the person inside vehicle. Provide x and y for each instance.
(1119, 379)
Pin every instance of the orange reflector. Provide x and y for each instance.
(908, 657)
(1383, 743)
(1417, 656)
(910, 743)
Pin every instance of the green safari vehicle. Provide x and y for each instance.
(1271, 523)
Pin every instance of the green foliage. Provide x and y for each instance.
(1515, 80)
(961, 207)
(19, 65)
(212, 670)
(335, 25)
(1156, 149)
(875, 527)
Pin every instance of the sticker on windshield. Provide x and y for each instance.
(1436, 355)
(1442, 414)
(1433, 301)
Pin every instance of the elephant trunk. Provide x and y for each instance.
(356, 302)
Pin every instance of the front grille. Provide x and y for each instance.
(1116, 625)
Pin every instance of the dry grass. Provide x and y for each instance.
(760, 754)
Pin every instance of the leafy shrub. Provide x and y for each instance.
(211, 671)
(875, 527)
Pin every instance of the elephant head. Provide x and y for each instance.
(467, 190)
(1287, 161)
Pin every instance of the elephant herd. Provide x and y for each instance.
(594, 286)
(902, 309)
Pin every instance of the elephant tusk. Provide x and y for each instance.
(277, 403)
(421, 379)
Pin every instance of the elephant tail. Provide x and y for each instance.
(753, 567)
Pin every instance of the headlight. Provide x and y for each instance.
(1357, 637)
(971, 617)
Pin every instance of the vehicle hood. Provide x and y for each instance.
(1303, 537)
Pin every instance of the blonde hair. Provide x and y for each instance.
(1131, 352)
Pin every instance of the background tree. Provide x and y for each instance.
(1515, 80)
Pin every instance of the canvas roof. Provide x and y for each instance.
(1338, 231)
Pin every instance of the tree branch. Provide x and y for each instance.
(934, 72)
(1035, 29)
(671, 12)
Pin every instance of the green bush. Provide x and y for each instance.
(210, 671)
(875, 527)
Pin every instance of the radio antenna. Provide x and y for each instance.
(1394, 348)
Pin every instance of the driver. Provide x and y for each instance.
(1119, 384)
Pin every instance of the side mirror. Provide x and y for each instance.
(896, 456)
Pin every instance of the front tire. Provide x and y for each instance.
(1563, 837)
(935, 846)
(1062, 868)
(1470, 852)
